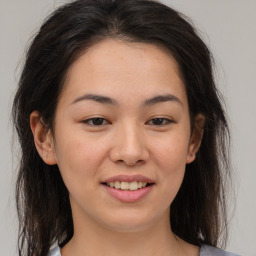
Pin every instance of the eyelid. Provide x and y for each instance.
(88, 120)
(167, 121)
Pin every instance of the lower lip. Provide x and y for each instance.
(128, 196)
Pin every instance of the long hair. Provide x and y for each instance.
(198, 213)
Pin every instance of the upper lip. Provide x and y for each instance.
(128, 178)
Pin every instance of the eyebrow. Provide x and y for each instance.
(162, 98)
(97, 98)
(148, 102)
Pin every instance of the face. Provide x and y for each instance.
(122, 120)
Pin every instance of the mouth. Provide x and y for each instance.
(129, 186)
(129, 189)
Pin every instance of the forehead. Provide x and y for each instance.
(111, 66)
(111, 51)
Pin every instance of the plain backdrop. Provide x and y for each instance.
(228, 27)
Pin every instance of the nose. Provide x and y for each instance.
(129, 147)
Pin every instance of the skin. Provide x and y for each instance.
(127, 140)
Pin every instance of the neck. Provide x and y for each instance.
(94, 239)
(140, 236)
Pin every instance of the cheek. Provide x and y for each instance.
(170, 156)
(171, 153)
(76, 150)
(78, 160)
(77, 164)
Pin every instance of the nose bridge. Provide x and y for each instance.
(129, 144)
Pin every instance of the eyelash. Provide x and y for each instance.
(91, 121)
(165, 120)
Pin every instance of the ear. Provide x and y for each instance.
(196, 137)
(43, 138)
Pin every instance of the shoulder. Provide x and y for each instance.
(207, 250)
(54, 252)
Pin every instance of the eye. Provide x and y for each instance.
(96, 121)
(160, 121)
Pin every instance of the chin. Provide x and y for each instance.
(128, 227)
(130, 223)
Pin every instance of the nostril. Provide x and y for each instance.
(129, 162)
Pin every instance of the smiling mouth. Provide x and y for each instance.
(129, 186)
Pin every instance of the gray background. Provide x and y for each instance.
(228, 27)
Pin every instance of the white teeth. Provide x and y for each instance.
(125, 185)
(117, 184)
(134, 185)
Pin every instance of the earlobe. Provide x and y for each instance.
(43, 138)
(196, 137)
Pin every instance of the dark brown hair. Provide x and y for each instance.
(198, 213)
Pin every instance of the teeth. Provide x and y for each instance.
(134, 185)
(125, 185)
(117, 185)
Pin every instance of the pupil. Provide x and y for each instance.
(97, 121)
(158, 121)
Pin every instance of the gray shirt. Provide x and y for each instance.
(205, 250)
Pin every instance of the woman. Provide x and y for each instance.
(123, 135)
